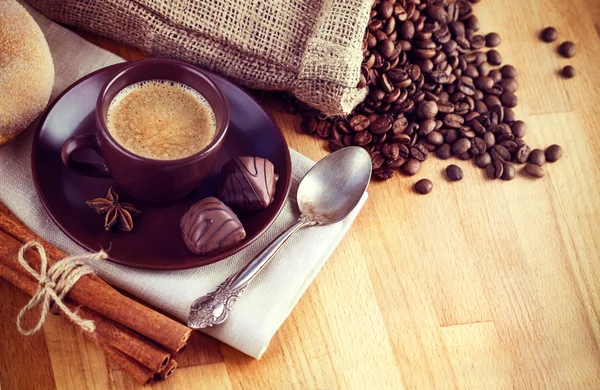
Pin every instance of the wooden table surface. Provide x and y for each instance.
(480, 284)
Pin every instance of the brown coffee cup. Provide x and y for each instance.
(156, 181)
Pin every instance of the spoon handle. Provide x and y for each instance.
(213, 308)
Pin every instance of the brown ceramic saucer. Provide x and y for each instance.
(155, 242)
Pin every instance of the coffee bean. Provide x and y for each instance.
(489, 138)
(499, 152)
(477, 42)
(390, 151)
(483, 161)
(522, 154)
(534, 170)
(494, 57)
(324, 129)
(509, 84)
(394, 164)
(383, 173)
(427, 109)
(461, 146)
(472, 23)
(386, 47)
(568, 72)
(419, 152)
(359, 123)
(549, 34)
(454, 172)
(453, 121)
(309, 124)
(508, 172)
(495, 170)
(381, 125)
(509, 71)
(492, 39)
(553, 153)
(518, 129)
(509, 99)
(334, 145)
(362, 138)
(444, 152)
(411, 167)
(464, 156)
(537, 157)
(567, 49)
(423, 186)
(407, 30)
(484, 83)
(385, 9)
(435, 138)
(509, 115)
(478, 146)
(377, 160)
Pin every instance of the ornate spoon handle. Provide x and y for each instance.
(213, 308)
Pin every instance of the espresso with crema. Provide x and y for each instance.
(161, 120)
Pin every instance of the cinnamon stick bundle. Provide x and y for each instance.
(96, 294)
(140, 355)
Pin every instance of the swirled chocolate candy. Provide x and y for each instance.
(248, 183)
(210, 226)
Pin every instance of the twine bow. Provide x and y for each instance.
(54, 284)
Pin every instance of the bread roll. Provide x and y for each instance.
(26, 70)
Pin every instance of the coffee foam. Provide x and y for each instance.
(161, 120)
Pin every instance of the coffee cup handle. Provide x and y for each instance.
(80, 142)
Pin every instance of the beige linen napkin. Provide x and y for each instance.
(264, 306)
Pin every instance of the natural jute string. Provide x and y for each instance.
(55, 284)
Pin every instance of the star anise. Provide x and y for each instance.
(115, 211)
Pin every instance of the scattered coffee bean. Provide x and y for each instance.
(522, 154)
(423, 186)
(537, 157)
(444, 152)
(461, 146)
(484, 160)
(534, 170)
(509, 99)
(495, 169)
(549, 34)
(411, 167)
(493, 57)
(454, 172)
(518, 129)
(383, 173)
(568, 72)
(553, 153)
(567, 49)
(508, 172)
(509, 71)
(492, 39)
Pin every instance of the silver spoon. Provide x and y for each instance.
(326, 195)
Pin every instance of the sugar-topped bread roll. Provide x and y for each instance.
(26, 70)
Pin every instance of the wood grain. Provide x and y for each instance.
(491, 285)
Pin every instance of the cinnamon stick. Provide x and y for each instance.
(97, 295)
(168, 371)
(107, 332)
(140, 373)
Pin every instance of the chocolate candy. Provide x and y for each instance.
(248, 183)
(210, 226)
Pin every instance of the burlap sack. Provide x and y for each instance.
(311, 48)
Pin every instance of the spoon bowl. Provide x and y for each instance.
(334, 186)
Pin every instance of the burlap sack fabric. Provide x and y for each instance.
(311, 48)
